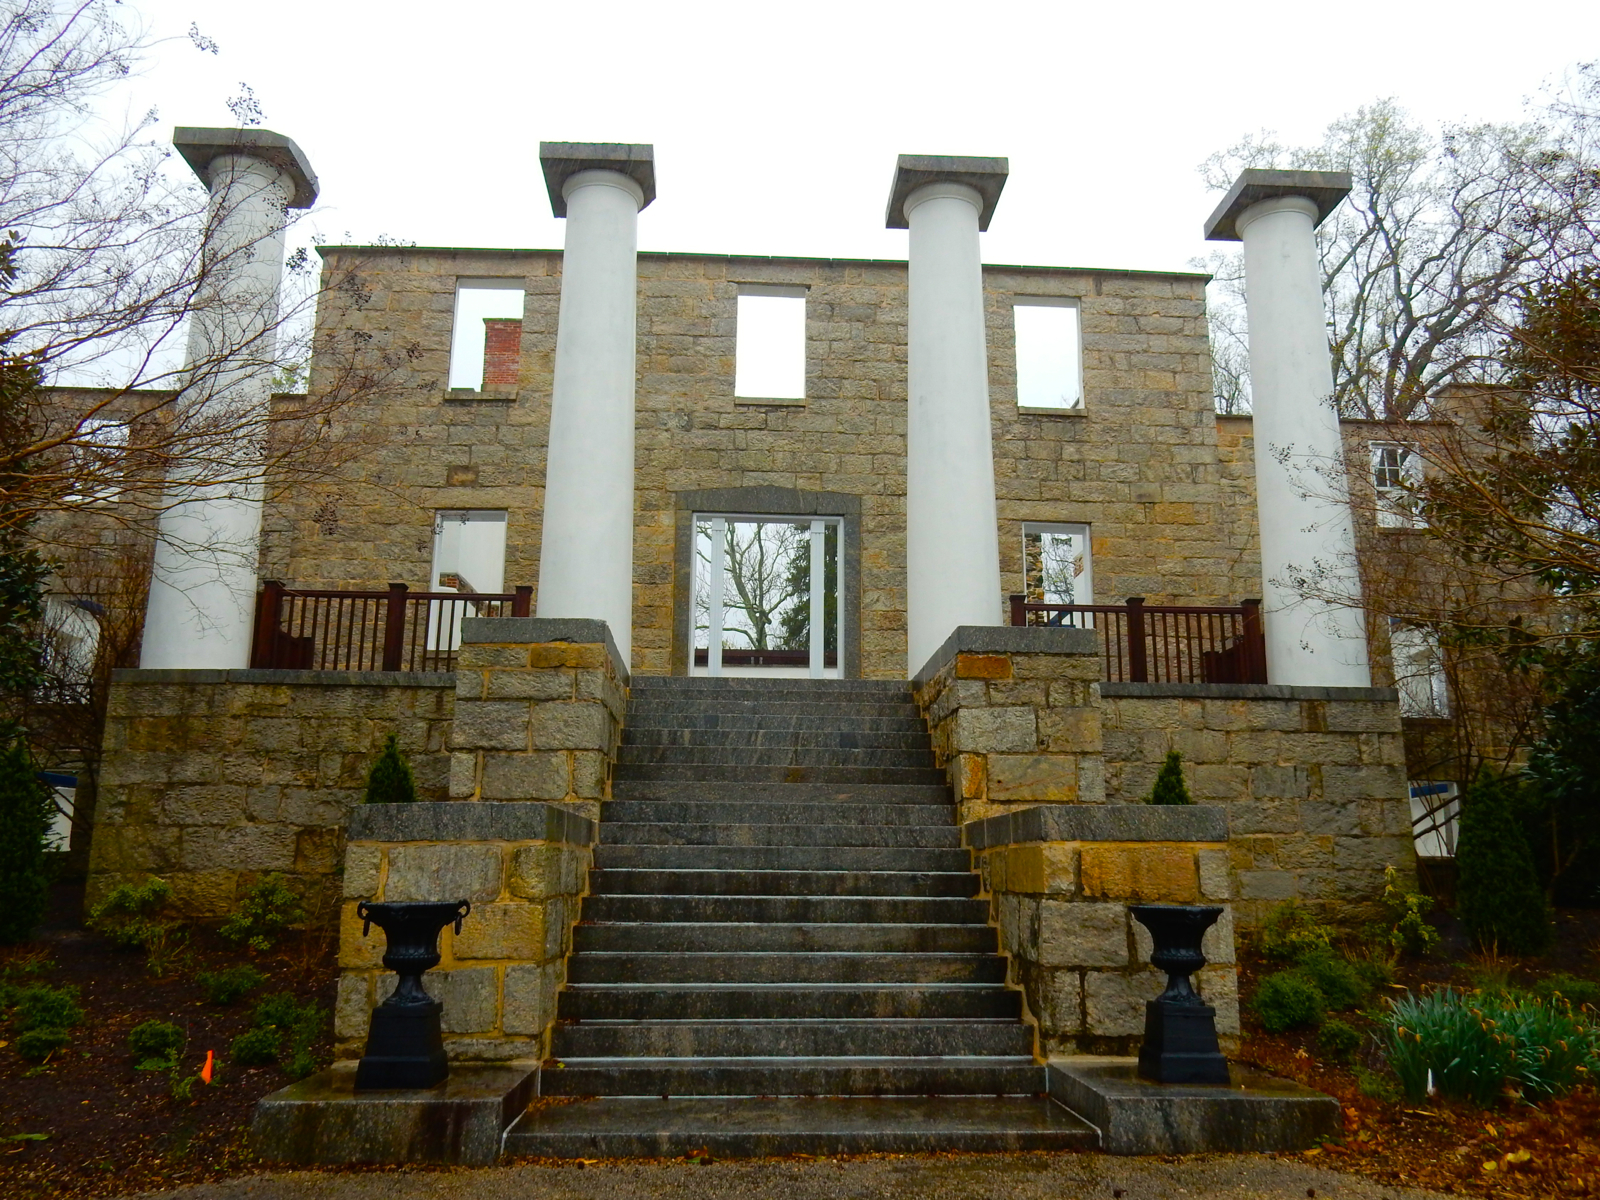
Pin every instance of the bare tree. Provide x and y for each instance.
(1425, 264)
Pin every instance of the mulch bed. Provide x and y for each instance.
(110, 1129)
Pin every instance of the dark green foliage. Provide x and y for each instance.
(1497, 893)
(230, 985)
(1580, 993)
(36, 1045)
(266, 911)
(126, 917)
(1336, 978)
(277, 1017)
(156, 1045)
(41, 1006)
(1338, 1040)
(22, 570)
(1169, 787)
(390, 781)
(1558, 813)
(1290, 933)
(257, 1047)
(1288, 1000)
(1406, 930)
(26, 808)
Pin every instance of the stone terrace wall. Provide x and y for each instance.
(1138, 463)
(211, 779)
(1312, 779)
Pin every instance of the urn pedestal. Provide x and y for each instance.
(405, 1046)
(1180, 1029)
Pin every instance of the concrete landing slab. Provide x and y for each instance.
(323, 1119)
(1254, 1113)
(754, 1127)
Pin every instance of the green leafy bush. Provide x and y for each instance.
(36, 1045)
(267, 910)
(1336, 978)
(1338, 1040)
(127, 917)
(1581, 993)
(156, 1045)
(256, 1047)
(229, 985)
(276, 1018)
(1288, 1000)
(1497, 892)
(1290, 932)
(390, 781)
(40, 1006)
(1476, 1047)
(1169, 787)
(26, 809)
(1408, 929)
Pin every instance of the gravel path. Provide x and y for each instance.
(974, 1177)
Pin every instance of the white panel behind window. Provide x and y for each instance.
(1049, 360)
(477, 300)
(469, 551)
(770, 347)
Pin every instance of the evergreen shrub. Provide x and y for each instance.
(390, 781)
(1169, 787)
(1288, 1000)
(1338, 1040)
(267, 910)
(26, 809)
(230, 985)
(155, 1045)
(1497, 892)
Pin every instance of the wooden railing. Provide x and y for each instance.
(1164, 643)
(391, 630)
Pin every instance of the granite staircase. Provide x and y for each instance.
(782, 950)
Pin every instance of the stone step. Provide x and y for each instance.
(763, 720)
(712, 772)
(683, 833)
(774, 739)
(773, 756)
(723, 936)
(745, 1128)
(746, 812)
(920, 910)
(666, 711)
(696, 684)
(1013, 1075)
(748, 1039)
(783, 858)
(786, 1001)
(632, 881)
(782, 793)
(676, 966)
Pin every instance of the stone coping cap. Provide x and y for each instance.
(469, 821)
(1100, 823)
(416, 679)
(526, 631)
(562, 160)
(199, 145)
(1008, 639)
(1323, 188)
(1243, 691)
(911, 171)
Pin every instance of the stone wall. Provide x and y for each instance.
(538, 711)
(212, 779)
(1312, 779)
(1060, 880)
(523, 866)
(1014, 717)
(1138, 462)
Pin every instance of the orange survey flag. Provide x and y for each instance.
(205, 1071)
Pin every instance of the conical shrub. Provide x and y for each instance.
(26, 808)
(1169, 788)
(390, 781)
(1497, 891)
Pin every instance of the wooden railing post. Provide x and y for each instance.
(1138, 668)
(264, 638)
(1019, 616)
(1255, 643)
(394, 627)
(522, 605)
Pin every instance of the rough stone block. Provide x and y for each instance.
(1266, 885)
(568, 726)
(995, 730)
(358, 951)
(1048, 778)
(501, 931)
(1215, 880)
(525, 776)
(443, 872)
(470, 997)
(1113, 1001)
(1082, 935)
(1056, 999)
(352, 1010)
(463, 774)
(529, 685)
(1275, 782)
(983, 666)
(1142, 873)
(490, 725)
(1076, 730)
(526, 988)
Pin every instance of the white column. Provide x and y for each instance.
(952, 538)
(1306, 528)
(586, 555)
(818, 599)
(203, 582)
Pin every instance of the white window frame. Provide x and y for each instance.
(743, 388)
(444, 617)
(467, 334)
(1067, 302)
(1435, 815)
(1396, 502)
(1419, 673)
(1083, 582)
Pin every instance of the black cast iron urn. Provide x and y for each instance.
(1180, 1029)
(405, 1048)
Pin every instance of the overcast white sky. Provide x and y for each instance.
(776, 125)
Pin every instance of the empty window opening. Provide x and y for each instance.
(1396, 475)
(96, 458)
(485, 345)
(1049, 353)
(1435, 808)
(766, 596)
(1419, 672)
(1056, 570)
(469, 557)
(770, 344)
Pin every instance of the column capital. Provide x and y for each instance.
(986, 175)
(199, 146)
(1323, 188)
(562, 160)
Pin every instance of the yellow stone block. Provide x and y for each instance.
(972, 776)
(1152, 873)
(567, 654)
(355, 951)
(1033, 777)
(983, 666)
